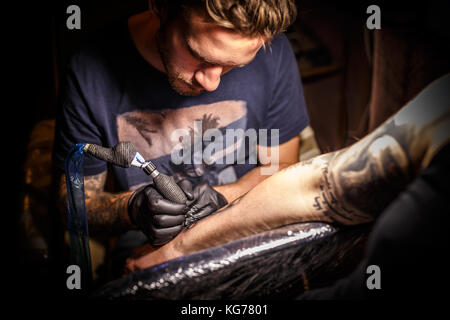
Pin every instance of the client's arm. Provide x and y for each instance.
(349, 186)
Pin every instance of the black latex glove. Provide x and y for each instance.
(158, 218)
(206, 201)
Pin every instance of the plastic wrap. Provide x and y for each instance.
(280, 263)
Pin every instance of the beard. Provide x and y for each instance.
(179, 84)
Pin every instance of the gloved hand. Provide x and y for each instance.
(158, 218)
(206, 201)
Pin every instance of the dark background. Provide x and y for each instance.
(344, 104)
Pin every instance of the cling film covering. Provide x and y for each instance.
(279, 263)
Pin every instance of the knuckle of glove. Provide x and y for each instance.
(158, 220)
(203, 186)
(186, 186)
(221, 200)
(199, 189)
(156, 232)
(165, 221)
(155, 236)
(162, 233)
(210, 196)
(153, 205)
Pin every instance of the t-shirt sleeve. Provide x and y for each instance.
(287, 108)
(75, 121)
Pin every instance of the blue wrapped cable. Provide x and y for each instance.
(76, 214)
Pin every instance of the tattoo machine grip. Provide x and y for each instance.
(122, 154)
(169, 189)
(165, 184)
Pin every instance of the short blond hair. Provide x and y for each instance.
(266, 18)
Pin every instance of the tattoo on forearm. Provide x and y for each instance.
(357, 183)
(103, 209)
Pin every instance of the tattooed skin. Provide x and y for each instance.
(106, 212)
(358, 183)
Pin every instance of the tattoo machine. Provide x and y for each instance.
(125, 155)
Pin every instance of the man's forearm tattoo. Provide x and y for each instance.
(103, 209)
(357, 183)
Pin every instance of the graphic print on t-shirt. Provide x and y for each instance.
(151, 131)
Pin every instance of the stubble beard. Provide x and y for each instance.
(178, 83)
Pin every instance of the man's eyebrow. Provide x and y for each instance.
(198, 56)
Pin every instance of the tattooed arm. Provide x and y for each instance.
(107, 213)
(349, 186)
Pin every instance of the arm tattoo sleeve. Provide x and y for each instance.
(357, 183)
(105, 211)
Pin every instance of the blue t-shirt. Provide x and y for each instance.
(110, 94)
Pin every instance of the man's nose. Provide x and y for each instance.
(209, 77)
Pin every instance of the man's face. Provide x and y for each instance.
(197, 53)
